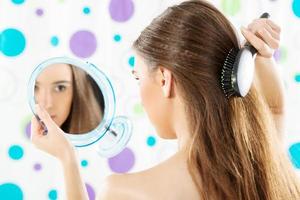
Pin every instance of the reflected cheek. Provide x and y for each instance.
(39, 99)
(61, 110)
(65, 109)
(61, 115)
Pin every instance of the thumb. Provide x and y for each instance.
(35, 128)
(44, 116)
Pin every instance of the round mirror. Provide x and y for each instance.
(80, 99)
(71, 97)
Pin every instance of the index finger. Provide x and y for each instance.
(35, 127)
(256, 42)
(273, 25)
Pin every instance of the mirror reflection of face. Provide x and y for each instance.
(54, 91)
(72, 98)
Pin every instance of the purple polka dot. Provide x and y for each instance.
(39, 12)
(121, 10)
(91, 191)
(37, 167)
(122, 162)
(28, 130)
(277, 55)
(83, 43)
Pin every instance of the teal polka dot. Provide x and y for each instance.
(151, 141)
(131, 61)
(297, 78)
(86, 10)
(15, 152)
(12, 42)
(117, 38)
(52, 194)
(54, 41)
(294, 151)
(10, 191)
(84, 163)
(18, 1)
(296, 7)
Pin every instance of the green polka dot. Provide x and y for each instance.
(52, 194)
(84, 163)
(283, 55)
(15, 152)
(151, 141)
(138, 109)
(231, 7)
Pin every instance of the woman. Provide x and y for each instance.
(228, 148)
(71, 97)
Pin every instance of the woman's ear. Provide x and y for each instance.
(166, 81)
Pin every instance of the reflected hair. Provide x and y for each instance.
(235, 151)
(87, 105)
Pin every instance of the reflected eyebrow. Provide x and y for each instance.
(60, 82)
(57, 82)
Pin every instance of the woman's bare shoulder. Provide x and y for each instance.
(168, 180)
(127, 186)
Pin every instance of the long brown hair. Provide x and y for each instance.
(235, 151)
(87, 104)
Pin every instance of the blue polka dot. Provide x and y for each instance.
(18, 1)
(86, 10)
(10, 191)
(131, 61)
(297, 78)
(151, 141)
(294, 151)
(12, 42)
(15, 152)
(117, 38)
(52, 194)
(296, 7)
(84, 163)
(54, 41)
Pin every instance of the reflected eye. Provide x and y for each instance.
(36, 88)
(60, 88)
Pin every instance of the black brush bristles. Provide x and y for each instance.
(227, 72)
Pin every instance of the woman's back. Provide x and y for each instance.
(170, 180)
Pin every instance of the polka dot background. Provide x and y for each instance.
(101, 32)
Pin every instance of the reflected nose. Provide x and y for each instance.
(44, 98)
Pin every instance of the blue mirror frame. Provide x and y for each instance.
(105, 85)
